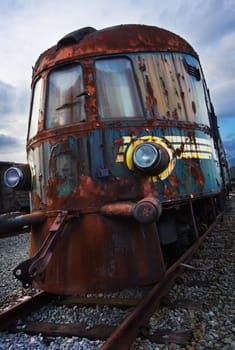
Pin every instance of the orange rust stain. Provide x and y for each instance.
(88, 188)
(148, 188)
(118, 141)
(117, 39)
(174, 181)
(36, 201)
(197, 173)
(169, 192)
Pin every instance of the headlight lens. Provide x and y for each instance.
(145, 156)
(12, 177)
(18, 177)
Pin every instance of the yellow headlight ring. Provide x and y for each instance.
(158, 141)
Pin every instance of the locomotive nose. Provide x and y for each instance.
(150, 157)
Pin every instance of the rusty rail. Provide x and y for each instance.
(23, 308)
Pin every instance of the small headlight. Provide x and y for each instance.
(18, 177)
(12, 177)
(145, 156)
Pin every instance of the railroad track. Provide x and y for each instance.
(134, 325)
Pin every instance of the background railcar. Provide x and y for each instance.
(125, 159)
(10, 199)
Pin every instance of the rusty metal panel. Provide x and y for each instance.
(75, 180)
(100, 254)
(118, 39)
(169, 90)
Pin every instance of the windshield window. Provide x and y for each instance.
(36, 110)
(65, 97)
(116, 89)
(172, 86)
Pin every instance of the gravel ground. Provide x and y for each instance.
(12, 251)
(206, 307)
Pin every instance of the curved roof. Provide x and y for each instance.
(118, 39)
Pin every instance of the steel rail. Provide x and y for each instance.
(23, 308)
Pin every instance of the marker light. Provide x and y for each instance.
(12, 177)
(18, 177)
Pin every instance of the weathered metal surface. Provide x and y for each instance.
(74, 178)
(31, 268)
(148, 210)
(100, 254)
(118, 39)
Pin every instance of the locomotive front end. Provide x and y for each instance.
(123, 158)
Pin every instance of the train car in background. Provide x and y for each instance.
(12, 200)
(125, 163)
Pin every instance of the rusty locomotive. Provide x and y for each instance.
(126, 168)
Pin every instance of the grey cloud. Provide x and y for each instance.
(12, 149)
(14, 115)
(8, 142)
(204, 21)
(13, 99)
(212, 24)
(223, 99)
(6, 96)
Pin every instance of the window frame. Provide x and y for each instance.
(55, 69)
(41, 104)
(138, 91)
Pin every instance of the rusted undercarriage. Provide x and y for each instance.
(118, 251)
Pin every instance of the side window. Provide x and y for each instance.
(116, 89)
(36, 110)
(65, 97)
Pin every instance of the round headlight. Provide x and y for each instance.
(18, 177)
(12, 177)
(145, 156)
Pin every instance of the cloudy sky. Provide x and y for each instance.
(29, 27)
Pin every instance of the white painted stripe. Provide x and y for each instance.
(186, 139)
(195, 155)
(197, 148)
